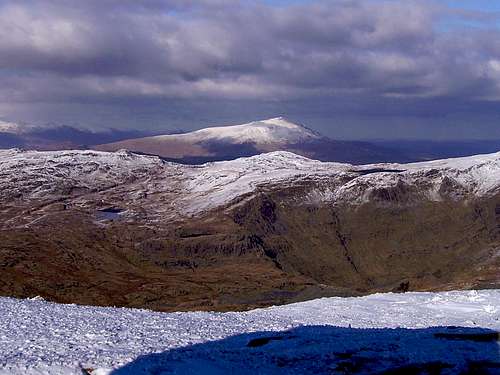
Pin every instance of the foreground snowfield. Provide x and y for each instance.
(38, 337)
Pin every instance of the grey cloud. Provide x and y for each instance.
(205, 50)
(361, 50)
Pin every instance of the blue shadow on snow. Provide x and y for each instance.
(333, 350)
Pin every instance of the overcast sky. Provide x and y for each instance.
(350, 69)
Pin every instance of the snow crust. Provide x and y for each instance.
(274, 130)
(38, 337)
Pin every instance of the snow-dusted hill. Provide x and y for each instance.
(326, 336)
(53, 175)
(219, 183)
(254, 138)
(43, 173)
(274, 130)
(222, 142)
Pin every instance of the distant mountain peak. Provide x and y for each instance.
(233, 141)
(273, 130)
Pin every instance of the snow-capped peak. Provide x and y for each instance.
(274, 130)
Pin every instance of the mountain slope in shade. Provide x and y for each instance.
(276, 134)
(57, 137)
(132, 230)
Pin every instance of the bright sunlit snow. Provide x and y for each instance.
(37, 337)
(274, 130)
(200, 188)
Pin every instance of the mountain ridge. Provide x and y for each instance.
(57, 137)
(124, 229)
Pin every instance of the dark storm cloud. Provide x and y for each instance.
(92, 51)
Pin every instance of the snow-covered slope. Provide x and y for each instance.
(456, 178)
(275, 134)
(274, 130)
(481, 172)
(196, 189)
(221, 182)
(39, 174)
(326, 336)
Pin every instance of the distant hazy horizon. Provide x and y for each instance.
(184, 126)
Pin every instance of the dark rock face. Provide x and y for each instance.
(367, 248)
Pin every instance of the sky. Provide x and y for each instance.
(351, 69)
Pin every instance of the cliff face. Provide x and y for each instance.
(430, 245)
(135, 231)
